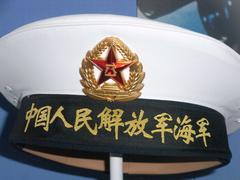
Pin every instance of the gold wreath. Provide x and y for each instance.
(111, 92)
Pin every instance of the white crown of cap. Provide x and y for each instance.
(44, 58)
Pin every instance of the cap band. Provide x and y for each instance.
(177, 130)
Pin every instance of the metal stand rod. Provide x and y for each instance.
(116, 167)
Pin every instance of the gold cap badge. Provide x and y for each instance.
(113, 59)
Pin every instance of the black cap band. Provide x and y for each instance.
(180, 131)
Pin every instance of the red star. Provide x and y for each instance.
(111, 68)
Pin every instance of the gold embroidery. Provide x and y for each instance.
(162, 125)
(184, 130)
(43, 117)
(30, 115)
(82, 118)
(111, 118)
(137, 125)
(60, 116)
(202, 123)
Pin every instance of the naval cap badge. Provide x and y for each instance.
(114, 60)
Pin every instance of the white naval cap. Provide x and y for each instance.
(44, 58)
(180, 65)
